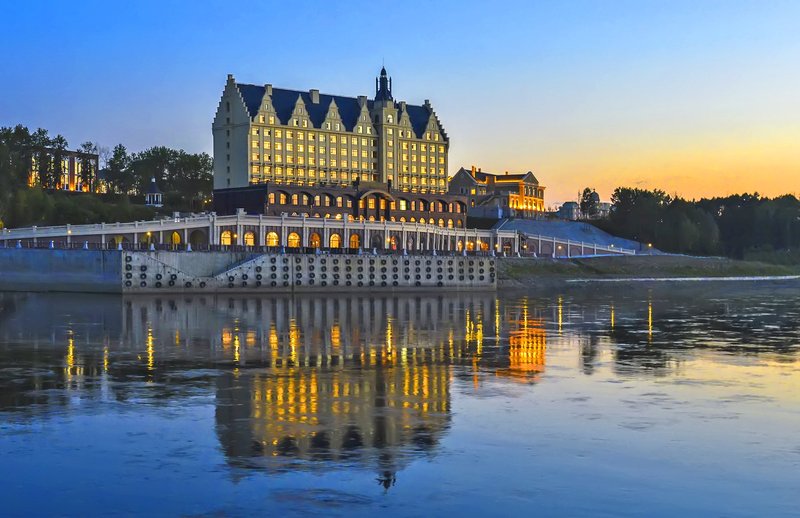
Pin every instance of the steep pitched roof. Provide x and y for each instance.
(284, 101)
(482, 176)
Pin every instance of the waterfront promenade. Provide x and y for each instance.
(291, 233)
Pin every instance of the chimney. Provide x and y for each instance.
(473, 170)
(314, 95)
(362, 100)
(479, 169)
(230, 78)
(268, 89)
(506, 173)
(402, 106)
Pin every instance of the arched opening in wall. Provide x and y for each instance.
(484, 245)
(198, 238)
(249, 239)
(355, 241)
(432, 221)
(393, 243)
(410, 243)
(470, 246)
(449, 223)
(459, 224)
(175, 239)
(314, 241)
(272, 239)
(226, 238)
(116, 240)
(402, 219)
(377, 242)
(460, 245)
(412, 219)
(335, 241)
(441, 222)
(147, 238)
(293, 240)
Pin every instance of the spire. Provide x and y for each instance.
(383, 87)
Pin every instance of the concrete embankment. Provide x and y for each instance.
(528, 273)
(114, 271)
(94, 271)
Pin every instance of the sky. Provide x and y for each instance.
(697, 98)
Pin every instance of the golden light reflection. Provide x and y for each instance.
(650, 320)
(612, 316)
(150, 349)
(560, 314)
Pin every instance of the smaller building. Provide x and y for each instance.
(498, 196)
(570, 210)
(154, 196)
(65, 170)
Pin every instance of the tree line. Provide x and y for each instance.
(742, 226)
(123, 178)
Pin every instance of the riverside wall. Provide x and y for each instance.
(118, 271)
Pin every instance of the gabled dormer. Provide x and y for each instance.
(363, 123)
(300, 117)
(267, 109)
(333, 120)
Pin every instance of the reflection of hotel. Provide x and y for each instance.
(354, 379)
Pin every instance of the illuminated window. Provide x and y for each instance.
(335, 241)
(293, 240)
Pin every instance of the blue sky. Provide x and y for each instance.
(696, 97)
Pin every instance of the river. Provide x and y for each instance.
(591, 400)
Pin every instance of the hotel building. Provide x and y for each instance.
(304, 152)
(499, 195)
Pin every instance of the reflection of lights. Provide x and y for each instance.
(150, 350)
(612, 316)
(105, 359)
(560, 314)
(650, 320)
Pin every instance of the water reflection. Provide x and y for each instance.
(322, 383)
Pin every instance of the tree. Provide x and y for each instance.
(60, 145)
(87, 174)
(589, 202)
(119, 175)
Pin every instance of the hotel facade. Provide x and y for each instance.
(280, 151)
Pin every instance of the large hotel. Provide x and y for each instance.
(280, 151)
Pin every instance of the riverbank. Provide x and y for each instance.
(524, 273)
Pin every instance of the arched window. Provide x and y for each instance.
(249, 239)
(459, 224)
(295, 199)
(282, 198)
(402, 219)
(314, 240)
(412, 219)
(225, 238)
(293, 240)
(389, 119)
(175, 239)
(271, 198)
(272, 239)
(432, 221)
(393, 243)
(441, 222)
(335, 241)
(460, 245)
(449, 223)
(355, 241)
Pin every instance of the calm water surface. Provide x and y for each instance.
(592, 400)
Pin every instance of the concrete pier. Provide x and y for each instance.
(120, 271)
